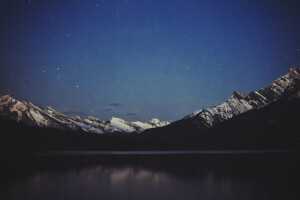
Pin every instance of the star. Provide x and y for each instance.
(57, 68)
(97, 5)
(68, 35)
(77, 86)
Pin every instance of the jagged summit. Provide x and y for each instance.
(28, 113)
(238, 95)
(239, 103)
(155, 121)
(294, 70)
(7, 96)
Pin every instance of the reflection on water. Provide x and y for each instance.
(153, 177)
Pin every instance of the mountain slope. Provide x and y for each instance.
(237, 104)
(28, 113)
(274, 126)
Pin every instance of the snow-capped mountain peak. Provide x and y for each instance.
(238, 95)
(124, 126)
(27, 112)
(239, 102)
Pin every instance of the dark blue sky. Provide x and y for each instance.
(137, 59)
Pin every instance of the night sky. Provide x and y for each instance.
(138, 59)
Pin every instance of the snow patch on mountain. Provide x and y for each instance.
(122, 125)
(143, 125)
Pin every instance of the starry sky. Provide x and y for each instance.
(137, 59)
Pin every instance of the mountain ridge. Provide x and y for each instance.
(28, 113)
(239, 102)
(202, 119)
(266, 119)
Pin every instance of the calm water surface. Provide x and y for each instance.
(181, 176)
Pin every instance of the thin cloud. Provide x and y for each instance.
(116, 104)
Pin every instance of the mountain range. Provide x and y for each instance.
(266, 119)
(31, 114)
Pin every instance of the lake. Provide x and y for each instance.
(205, 175)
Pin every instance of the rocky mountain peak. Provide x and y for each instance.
(239, 103)
(294, 71)
(239, 95)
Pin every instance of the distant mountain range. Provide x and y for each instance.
(30, 114)
(266, 119)
(238, 103)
